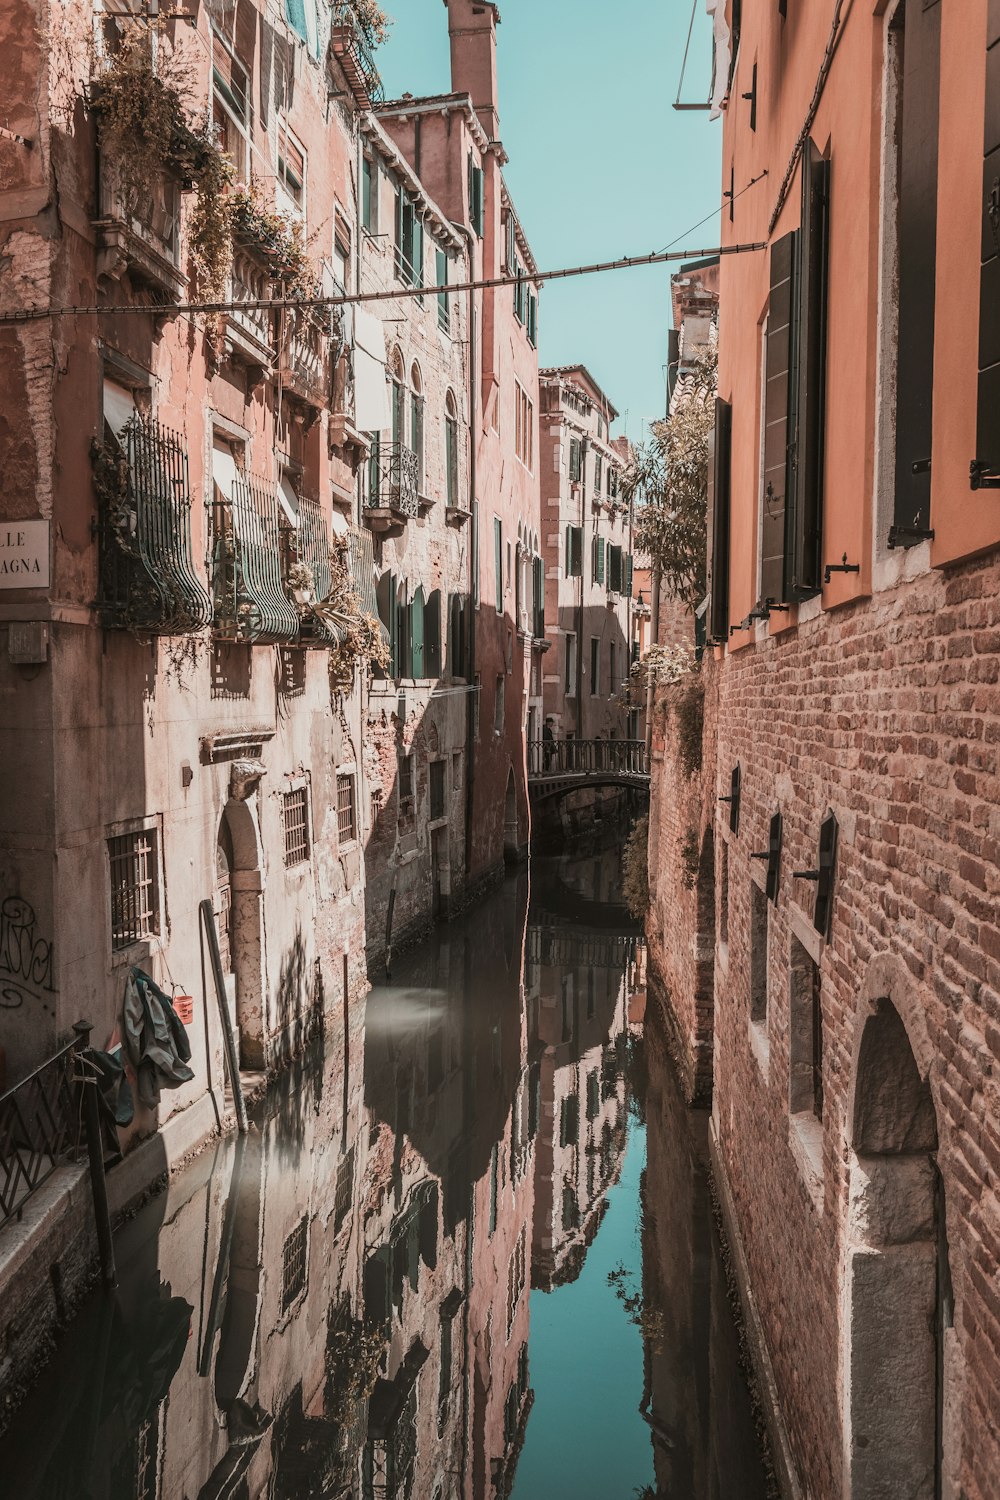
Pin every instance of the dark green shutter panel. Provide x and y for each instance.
(404, 658)
(418, 250)
(538, 571)
(718, 520)
(987, 460)
(628, 575)
(777, 423)
(498, 560)
(600, 560)
(432, 635)
(918, 183)
(806, 519)
(614, 570)
(399, 230)
(574, 551)
(417, 622)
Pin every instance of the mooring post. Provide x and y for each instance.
(87, 1084)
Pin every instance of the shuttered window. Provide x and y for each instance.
(987, 460)
(432, 635)
(476, 196)
(498, 560)
(917, 240)
(575, 460)
(778, 418)
(574, 551)
(599, 548)
(718, 520)
(805, 528)
(417, 622)
(538, 590)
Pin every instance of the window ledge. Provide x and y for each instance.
(805, 1136)
(760, 1046)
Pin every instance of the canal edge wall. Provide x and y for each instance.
(763, 1370)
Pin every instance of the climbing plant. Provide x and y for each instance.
(635, 869)
(362, 641)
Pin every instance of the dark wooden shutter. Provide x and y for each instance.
(806, 514)
(576, 551)
(777, 418)
(417, 622)
(614, 570)
(917, 239)
(432, 635)
(987, 460)
(498, 560)
(538, 580)
(718, 520)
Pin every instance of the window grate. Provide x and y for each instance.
(293, 1264)
(135, 905)
(294, 807)
(346, 821)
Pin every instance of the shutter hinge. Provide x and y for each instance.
(920, 466)
(982, 476)
(908, 536)
(842, 567)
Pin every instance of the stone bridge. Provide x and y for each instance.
(559, 766)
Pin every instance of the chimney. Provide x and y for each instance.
(472, 29)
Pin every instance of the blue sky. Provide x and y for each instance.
(600, 165)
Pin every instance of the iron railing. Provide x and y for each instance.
(392, 479)
(352, 48)
(251, 605)
(587, 758)
(314, 552)
(558, 946)
(250, 327)
(148, 581)
(305, 360)
(38, 1130)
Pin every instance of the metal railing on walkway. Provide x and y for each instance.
(587, 758)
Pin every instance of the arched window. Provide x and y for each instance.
(398, 405)
(417, 423)
(451, 448)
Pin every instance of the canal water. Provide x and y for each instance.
(466, 1251)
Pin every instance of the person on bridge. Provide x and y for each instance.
(548, 742)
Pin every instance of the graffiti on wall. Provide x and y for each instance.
(26, 959)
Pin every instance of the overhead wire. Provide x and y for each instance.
(270, 304)
(712, 212)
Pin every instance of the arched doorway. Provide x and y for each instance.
(239, 918)
(899, 1295)
(511, 847)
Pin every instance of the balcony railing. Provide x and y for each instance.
(314, 553)
(138, 228)
(248, 329)
(587, 757)
(392, 479)
(305, 359)
(251, 606)
(351, 48)
(148, 581)
(38, 1130)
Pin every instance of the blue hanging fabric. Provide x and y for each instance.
(295, 15)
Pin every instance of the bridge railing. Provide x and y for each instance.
(587, 758)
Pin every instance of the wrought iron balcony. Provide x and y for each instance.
(249, 331)
(314, 555)
(305, 359)
(392, 479)
(352, 49)
(138, 229)
(148, 581)
(251, 606)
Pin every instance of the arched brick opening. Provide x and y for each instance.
(898, 1296)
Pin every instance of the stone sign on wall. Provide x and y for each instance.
(24, 554)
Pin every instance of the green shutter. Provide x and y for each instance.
(432, 635)
(441, 276)
(779, 419)
(600, 560)
(498, 560)
(418, 250)
(628, 575)
(367, 194)
(538, 572)
(805, 528)
(417, 635)
(399, 231)
(532, 320)
(574, 551)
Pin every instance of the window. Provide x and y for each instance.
(593, 1091)
(295, 817)
(520, 291)
(230, 107)
(533, 320)
(595, 667)
(293, 1264)
(369, 194)
(346, 818)
(570, 1208)
(405, 779)
(498, 707)
(569, 685)
(451, 449)
(613, 484)
(133, 860)
(598, 473)
(759, 919)
(291, 171)
(432, 635)
(498, 560)
(443, 300)
(805, 1042)
(574, 551)
(575, 460)
(437, 788)
(614, 570)
(718, 522)
(612, 664)
(597, 559)
(417, 423)
(569, 1121)
(344, 1190)
(477, 197)
(397, 411)
(409, 241)
(524, 425)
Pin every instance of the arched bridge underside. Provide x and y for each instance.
(556, 767)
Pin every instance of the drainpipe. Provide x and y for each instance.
(654, 631)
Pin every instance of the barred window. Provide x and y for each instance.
(437, 788)
(344, 1190)
(346, 821)
(295, 815)
(405, 777)
(293, 1264)
(135, 887)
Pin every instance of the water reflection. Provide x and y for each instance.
(338, 1304)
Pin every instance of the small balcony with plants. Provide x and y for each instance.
(310, 578)
(305, 356)
(147, 579)
(251, 606)
(358, 26)
(391, 493)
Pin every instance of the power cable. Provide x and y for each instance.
(270, 304)
(712, 213)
